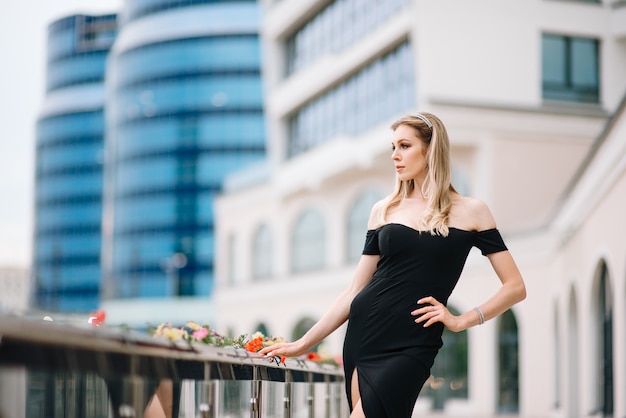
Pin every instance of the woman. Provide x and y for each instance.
(417, 242)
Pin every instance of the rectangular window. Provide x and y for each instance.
(336, 27)
(388, 81)
(570, 68)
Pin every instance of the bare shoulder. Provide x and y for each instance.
(375, 214)
(472, 213)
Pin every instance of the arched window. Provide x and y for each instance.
(307, 244)
(448, 376)
(573, 360)
(623, 321)
(604, 338)
(556, 358)
(301, 328)
(262, 328)
(357, 223)
(508, 364)
(262, 252)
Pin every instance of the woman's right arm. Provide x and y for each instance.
(334, 317)
(339, 311)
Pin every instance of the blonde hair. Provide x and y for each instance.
(437, 184)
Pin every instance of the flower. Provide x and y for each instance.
(200, 333)
(97, 318)
(258, 334)
(323, 356)
(255, 344)
(193, 326)
(175, 334)
(194, 332)
(171, 333)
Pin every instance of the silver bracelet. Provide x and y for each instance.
(481, 317)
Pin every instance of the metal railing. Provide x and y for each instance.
(87, 371)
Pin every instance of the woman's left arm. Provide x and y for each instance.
(511, 292)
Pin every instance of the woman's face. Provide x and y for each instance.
(409, 154)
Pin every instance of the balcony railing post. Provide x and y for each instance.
(133, 402)
(311, 397)
(256, 394)
(338, 397)
(207, 405)
(288, 395)
(328, 395)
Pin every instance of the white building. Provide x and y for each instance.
(532, 95)
(14, 289)
(14, 300)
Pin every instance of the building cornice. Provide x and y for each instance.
(598, 172)
(544, 108)
(532, 123)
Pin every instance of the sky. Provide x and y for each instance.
(22, 76)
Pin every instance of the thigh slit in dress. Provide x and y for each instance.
(392, 354)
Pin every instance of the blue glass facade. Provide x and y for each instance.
(70, 132)
(139, 8)
(184, 110)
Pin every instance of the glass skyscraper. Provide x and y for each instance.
(69, 157)
(184, 109)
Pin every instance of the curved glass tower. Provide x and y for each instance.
(184, 109)
(68, 179)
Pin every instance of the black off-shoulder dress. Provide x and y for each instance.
(391, 353)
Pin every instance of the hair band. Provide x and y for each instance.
(425, 119)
